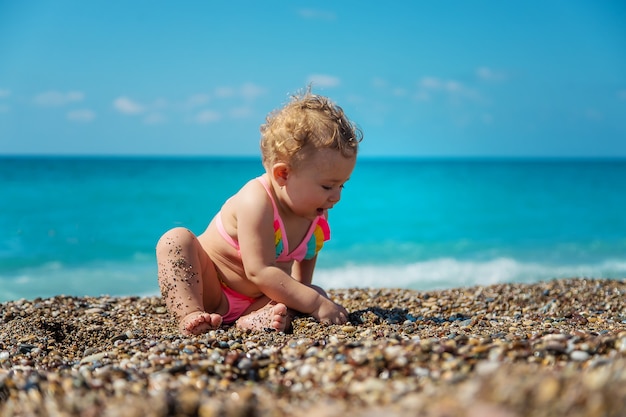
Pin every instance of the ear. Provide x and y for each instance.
(280, 172)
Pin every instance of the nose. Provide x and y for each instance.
(335, 196)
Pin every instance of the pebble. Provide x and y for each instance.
(579, 355)
(501, 350)
(94, 357)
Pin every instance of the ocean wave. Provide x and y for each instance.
(139, 277)
(449, 272)
(56, 278)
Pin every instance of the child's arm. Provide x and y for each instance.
(280, 287)
(255, 234)
(303, 271)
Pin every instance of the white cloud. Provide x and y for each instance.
(453, 86)
(321, 80)
(429, 86)
(383, 85)
(160, 103)
(250, 91)
(127, 106)
(207, 116)
(487, 74)
(81, 115)
(430, 83)
(4, 93)
(594, 115)
(240, 112)
(247, 91)
(197, 100)
(194, 108)
(378, 82)
(154, 119)
(316, 14)
(224, 92)
(399, 92)
(355, 99)
(57, 98)
(422, 95)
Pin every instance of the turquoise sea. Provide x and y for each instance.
(88, 226)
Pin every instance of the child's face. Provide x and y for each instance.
(316, 184)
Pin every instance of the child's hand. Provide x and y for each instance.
(330, 312)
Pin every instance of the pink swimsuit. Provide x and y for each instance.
(237, 304)
(318, 233)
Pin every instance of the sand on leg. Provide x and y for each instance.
(181, 262)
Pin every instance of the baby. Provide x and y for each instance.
(254, 262)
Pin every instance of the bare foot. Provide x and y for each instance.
(272, 316)
(199, 322)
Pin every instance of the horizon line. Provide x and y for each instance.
(361, 157)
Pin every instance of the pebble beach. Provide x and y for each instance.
(553, 348)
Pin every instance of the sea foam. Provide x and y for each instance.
(449, 272)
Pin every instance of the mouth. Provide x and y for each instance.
(321, 211)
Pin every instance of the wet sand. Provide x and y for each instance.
(555, 348)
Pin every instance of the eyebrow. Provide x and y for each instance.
(334, 180)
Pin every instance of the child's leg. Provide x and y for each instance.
(188, 281)
(265, 314)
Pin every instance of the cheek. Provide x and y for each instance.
(312, 197)
(306, 197)
(301, 196)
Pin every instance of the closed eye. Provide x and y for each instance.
(328, 187)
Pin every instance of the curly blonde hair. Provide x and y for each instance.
(308, 122)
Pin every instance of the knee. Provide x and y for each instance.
(178, 237)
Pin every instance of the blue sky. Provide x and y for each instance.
(444, 78)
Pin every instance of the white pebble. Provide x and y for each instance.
(579, 355)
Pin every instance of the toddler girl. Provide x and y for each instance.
(255, 260)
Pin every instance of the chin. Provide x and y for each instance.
(310, 215)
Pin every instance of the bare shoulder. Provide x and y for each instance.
(252, 192)
(250, 200)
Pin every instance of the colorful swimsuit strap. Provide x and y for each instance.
(279, 227)
(311, 243)
(318, 233)
(281, 243)
(232, 242)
